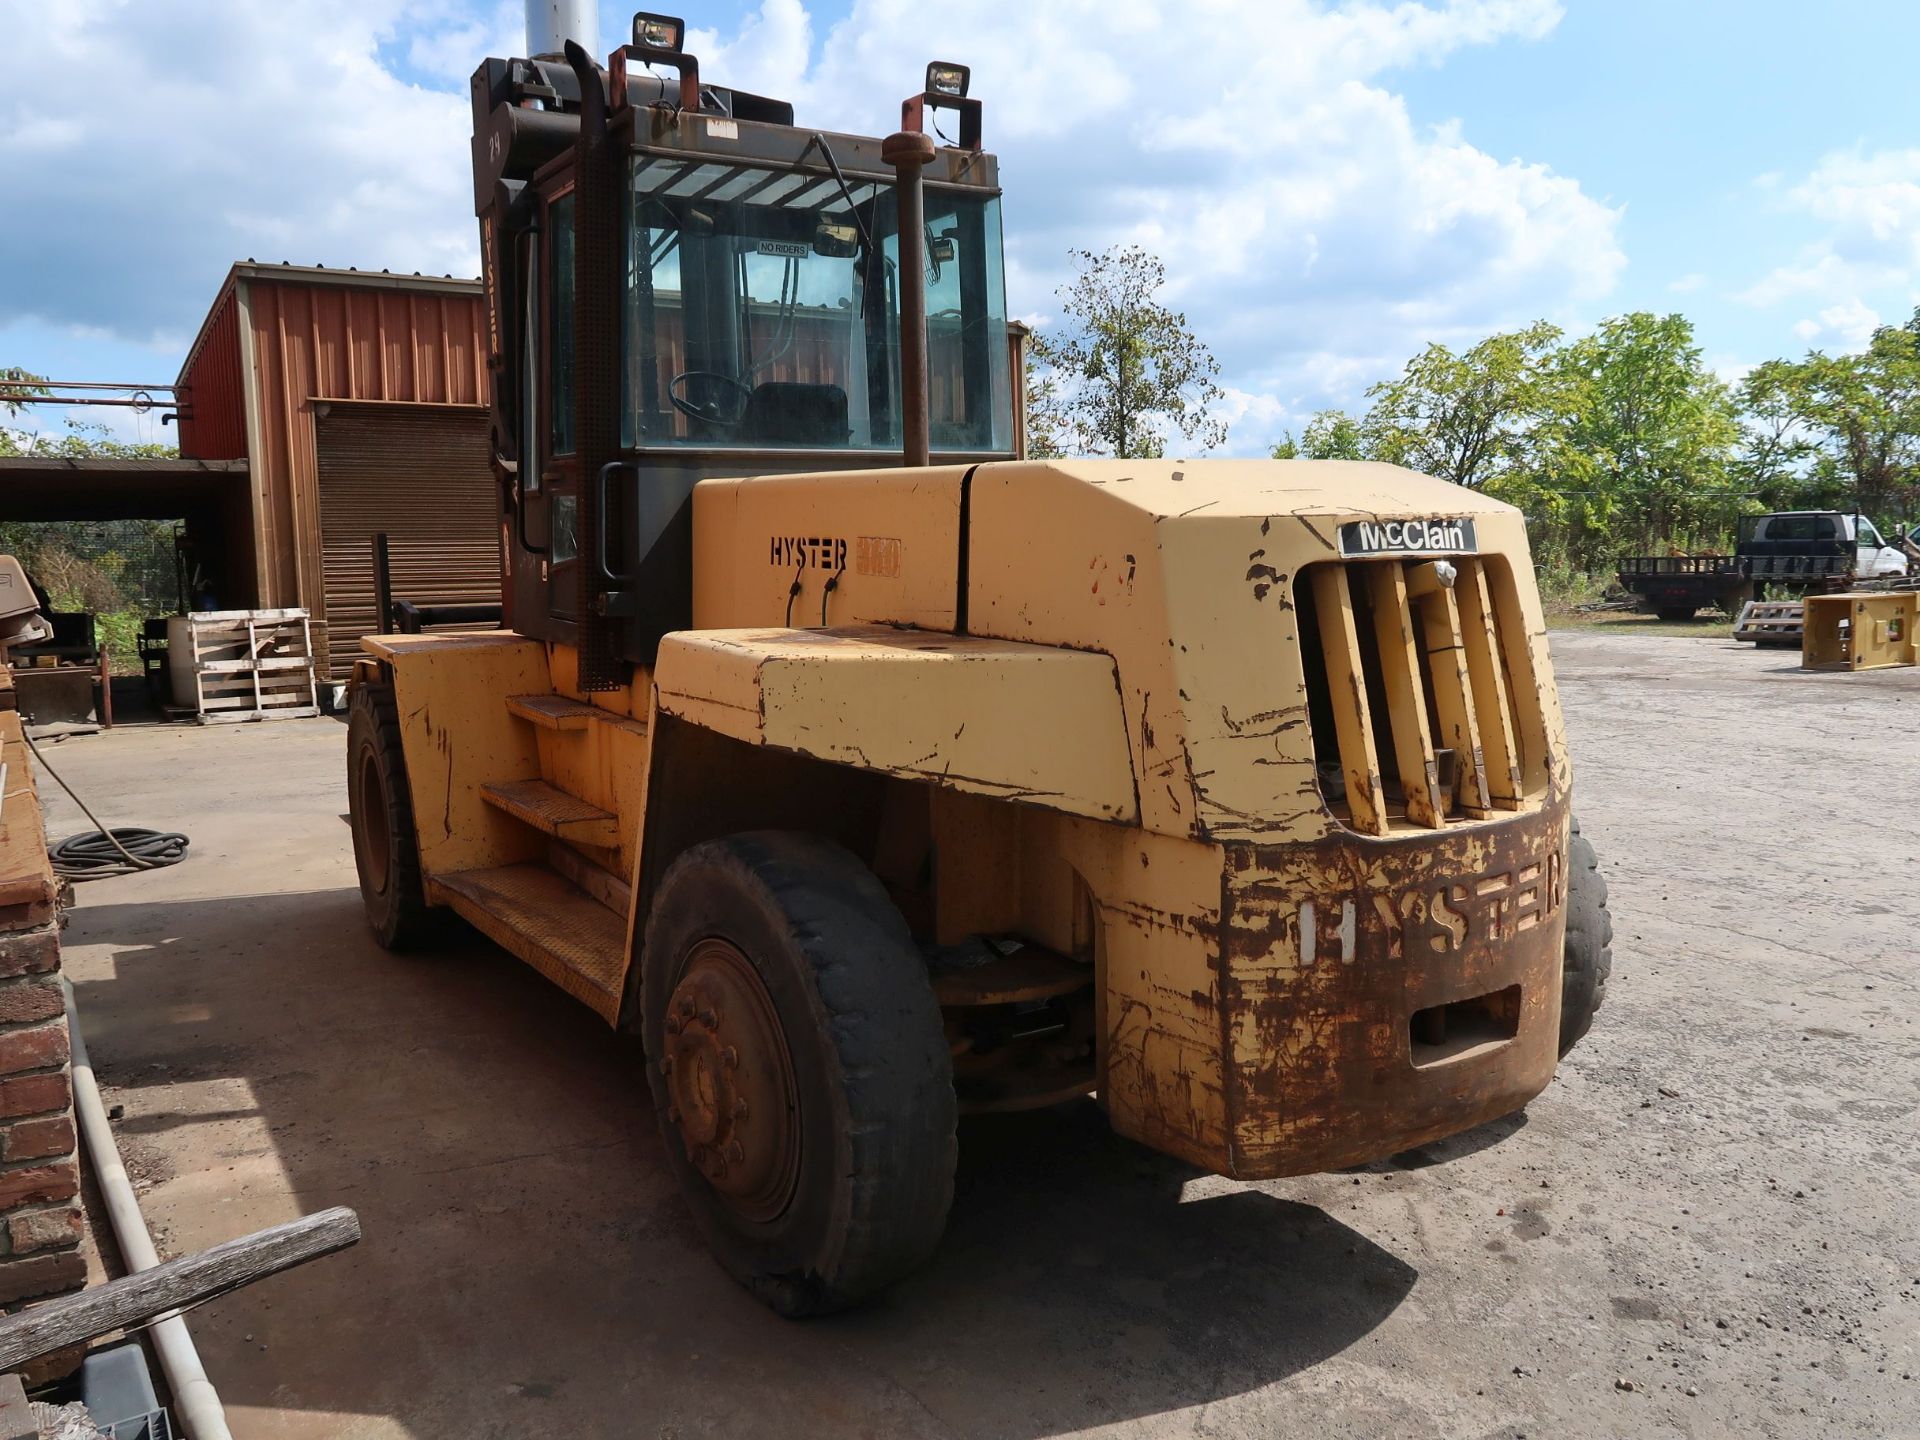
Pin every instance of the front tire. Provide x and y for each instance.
(1589, 955)
(386, 850)
(799, 1069)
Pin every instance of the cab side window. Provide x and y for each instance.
(1869, 535)
(560, 330)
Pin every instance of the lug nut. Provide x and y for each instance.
(709, 1019)
(673, 1114)
(736, 1152)
(673, 1024)
(686, 1005)
(666, 1065)
(730, 1057)
(740, 1107)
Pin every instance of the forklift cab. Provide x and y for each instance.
(683, 285)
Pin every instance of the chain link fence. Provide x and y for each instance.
(122, 571)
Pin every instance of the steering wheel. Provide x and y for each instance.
(711, 412)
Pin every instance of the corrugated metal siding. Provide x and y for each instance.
(213, 415)
(317, 342)
(420, 474)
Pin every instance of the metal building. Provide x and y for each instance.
(359, 402)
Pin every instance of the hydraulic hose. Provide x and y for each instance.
(97, 854)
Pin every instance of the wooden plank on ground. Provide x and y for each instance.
(149, 1294)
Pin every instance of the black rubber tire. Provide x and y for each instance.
(870, 1060)
(1589, 953)
(1676, 614)
(386, 850)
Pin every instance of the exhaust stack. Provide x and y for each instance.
(551, 23)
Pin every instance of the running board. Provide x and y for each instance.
(549, 922)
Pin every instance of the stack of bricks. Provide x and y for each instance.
(42, 1227)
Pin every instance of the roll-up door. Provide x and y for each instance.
(420, 473)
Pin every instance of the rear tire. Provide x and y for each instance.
(386, 850)
(1589, 955)
(1676, 614)
(799, 1069)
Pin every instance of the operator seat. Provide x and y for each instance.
(790, 412)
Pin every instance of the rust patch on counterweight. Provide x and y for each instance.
(1330, 949)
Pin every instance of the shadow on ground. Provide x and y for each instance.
(525, 1248)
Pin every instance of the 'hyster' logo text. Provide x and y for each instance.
(803, 552)
(1372, 537)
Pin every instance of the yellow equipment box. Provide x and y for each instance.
(1860, 631)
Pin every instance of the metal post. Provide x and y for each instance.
(382, 587)
(908, 152)
(551, 23)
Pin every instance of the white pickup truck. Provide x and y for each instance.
(1817, 549)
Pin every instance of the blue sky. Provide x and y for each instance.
(1331, 185)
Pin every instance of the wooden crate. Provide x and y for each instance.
(234, 665)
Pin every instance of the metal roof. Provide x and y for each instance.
(52, 487)
(287, 273)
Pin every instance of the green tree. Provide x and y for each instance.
(1329, 435)
(1776, 444)
(15, 385)
(1656, 434)
(1861, 418)
(1474, 417)
(1124, 373)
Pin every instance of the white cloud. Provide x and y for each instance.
(1846, 326)
(230, 129)
(1867, 206)
(1687, 284)
(1314, 230)
(1315, 234)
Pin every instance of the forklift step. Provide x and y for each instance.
(564, 713)
(554, 812)
(552, 712)
(549, 922)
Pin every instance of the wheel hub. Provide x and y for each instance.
(730, 1081)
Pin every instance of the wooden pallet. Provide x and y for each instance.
(252, 665)
(1770, 622)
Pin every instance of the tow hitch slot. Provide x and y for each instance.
(1443, 1033)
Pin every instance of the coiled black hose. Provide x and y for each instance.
(97, 854)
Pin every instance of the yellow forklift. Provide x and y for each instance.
(873, 775)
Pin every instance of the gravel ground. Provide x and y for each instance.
(1707, 1225)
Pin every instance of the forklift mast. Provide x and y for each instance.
(683, 284)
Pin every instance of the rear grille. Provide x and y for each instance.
(1422, 693)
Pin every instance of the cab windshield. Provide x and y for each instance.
(762, 311)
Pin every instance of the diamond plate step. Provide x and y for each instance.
(551, 712)
(553, 812)
(549, 922)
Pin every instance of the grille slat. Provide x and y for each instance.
(1406, 705)
(1453, 698)
(1500, 750)
(1421, 691)
(1346, 680)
